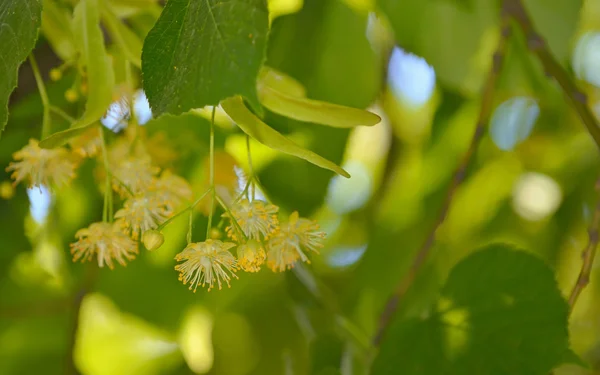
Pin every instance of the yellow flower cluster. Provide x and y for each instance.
(149, 197)
(255, 230)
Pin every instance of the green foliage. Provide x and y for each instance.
(289, 101)
(268, 136)
(273, 81)
(93, 58)
(499, 312)
(229, 39)
(19, 23)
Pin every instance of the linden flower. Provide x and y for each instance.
(174, 189)
(251, 256)
(106, 242)
(206, 263)
(87, 144)
(257, 219)
(42, 167)
(136, 173)
(287, 245)
(141, 213)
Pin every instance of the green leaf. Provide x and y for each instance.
(500, 312)
(331, 54)
(201, 52)
(100, 76)
(56, 27)
(128, 41)
(19, 23)
(302, 109)
(268, 136)
(570, 357)
(280, 82)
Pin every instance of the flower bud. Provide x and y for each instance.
(215, 233)
(152, 239)
(71, 95)
(7, 190)
(55, 74)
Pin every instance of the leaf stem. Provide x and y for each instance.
(62, 114)
(539, 47)
(212, 172)
(250, 167)
(588, 254)
(422, 255)
(43, 96)
(107, 215)
(190, 224)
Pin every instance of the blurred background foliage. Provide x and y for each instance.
(418, 64)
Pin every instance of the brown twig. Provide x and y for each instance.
(459, 176)
(578, 99)
(588, 254)
(552, 68)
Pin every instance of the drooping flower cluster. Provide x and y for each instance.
(148, 196)
(255, 230)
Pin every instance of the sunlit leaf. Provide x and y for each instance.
(19, 23)
(111, 342)
(268, 136)
(302, 109)
(56, 27)
(281, 82)
(100, 76)
(500, 312)
(127, 40)
(201, 52)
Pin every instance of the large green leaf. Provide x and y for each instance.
(100, 76)
(201, 52)
(19, 23)
(270, 137)
(500, 312)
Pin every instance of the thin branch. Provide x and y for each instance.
(402, 287)
(588, 254)
(552, 68)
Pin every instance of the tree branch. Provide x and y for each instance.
(588, 254)
(578, 99)
(539, 47)
(485, 112)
